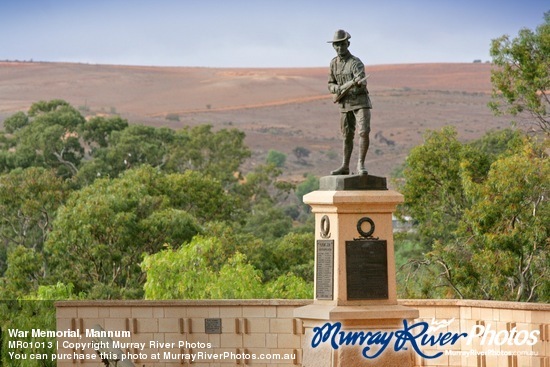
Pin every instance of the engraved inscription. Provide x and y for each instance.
(366, 269)
(324, 279)
(213, 326)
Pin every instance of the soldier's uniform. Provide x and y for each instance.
(355, 106)
(345, 69)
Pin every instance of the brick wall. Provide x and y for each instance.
(267, 328)
(255, 327)
(499, 319)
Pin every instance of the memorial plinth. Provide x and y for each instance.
(355, 281)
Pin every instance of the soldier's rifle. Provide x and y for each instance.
(346, 87)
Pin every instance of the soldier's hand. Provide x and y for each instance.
(347, 85)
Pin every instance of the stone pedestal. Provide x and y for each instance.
(354, 244)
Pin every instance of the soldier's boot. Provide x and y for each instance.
(344, 168)
(364, 147)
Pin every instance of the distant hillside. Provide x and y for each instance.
(277, 108)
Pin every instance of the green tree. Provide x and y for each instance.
(16, 122)
(262, 184)
(217, 154)
(48, 136)
(102, 232)
(204, 269)
(276, 158)
(29, 199)
(202, 196)
(97, 131)
(84, 201)
(53, 134)
(237, 279)
(291, 254)
(25, 268)
(311, 183)
(433, 188)
(200, 270)
(267, 221)
(119, 149)
(493, 244)
(509, 228)
(521, 80)
(289, 286)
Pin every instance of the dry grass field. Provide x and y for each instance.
(278, 109)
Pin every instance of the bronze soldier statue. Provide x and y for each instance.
(348, 82)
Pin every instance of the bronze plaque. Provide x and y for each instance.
(213, 326)
(367, 269)
(324, 277)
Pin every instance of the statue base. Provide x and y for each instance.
(375, 319)
(355, 281)
(352, 182)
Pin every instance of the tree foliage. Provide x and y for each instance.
(53, 134)
(106, 227)
(84, 201)
(127, 148)
(482, 208)
(97, 131)
(521, 81)
(25, 267)
(193, 272)
(29, 199)
(482, 217)
(311, 183)
(276, 158)
(433, 188)
(218, 154)
(203, 269)
(293, 253)
(510, 228)
(48, 136)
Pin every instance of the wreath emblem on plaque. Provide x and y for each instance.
(325, 227)
(367, 234)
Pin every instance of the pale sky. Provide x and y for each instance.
(258, 33)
